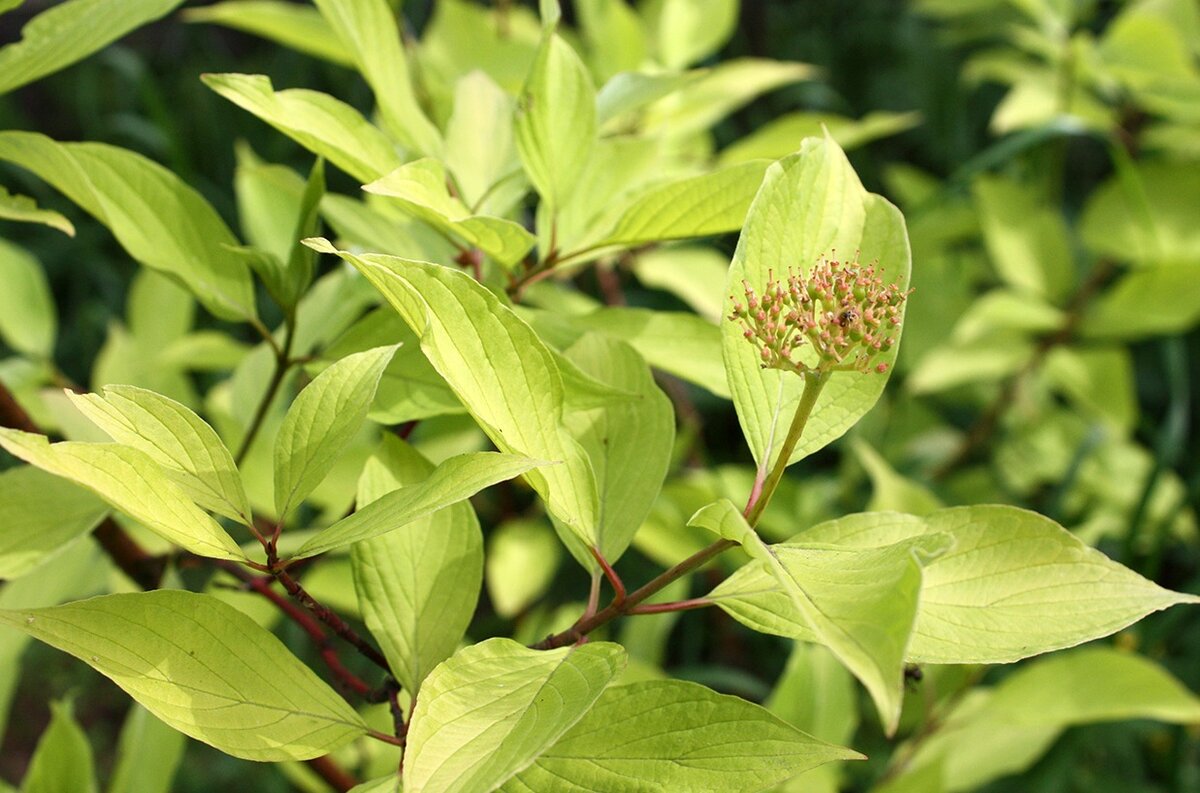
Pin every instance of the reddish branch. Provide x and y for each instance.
(324, 613)
(589, 623)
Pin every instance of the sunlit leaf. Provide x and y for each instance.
(318, 122)
(71, 31)
(28, 319)
(175, 438)
(39, 514)
(811, 205)
(131, 482)
(555, 124)
(861, 603)
(417, 585)
(491, 709)
(674, 735)
(368, 31)
(301, 28)
(162, 222)
(419, 187)
(322, 420)
(204, 668)
(454, 480)
(25, 210)
(498, 367)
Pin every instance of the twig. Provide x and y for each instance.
(282, 363)
(613, 610)
(347, 679)
(324, 613)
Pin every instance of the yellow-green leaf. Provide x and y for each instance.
(204, 668)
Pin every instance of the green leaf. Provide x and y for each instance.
(522, 561)
(204, 668)
(62, 761)
(629, 442)
(719, 91)
(1026, 239)
(630, 91)
(367, 29)
(891, 492)
(985, 360)
(410, 388)
(1154, 300)
(70, 32)
(1143, 216)
(1015, 584)
(454, 480)
(694, 274)
(674, 341)
(811, 205)
(498, 367)
(674, 735)
(131, 482)
(697, 206)
(492, 708)
(1100, 380)
(301, 28)
(417, 585)
(148, 753)
(384, 784)
(555, 123)
(780, 137)
(25, 210)
(321, 421)
(28, 320)
(419, 188)
(175, 438)
(616, 39)
(40, 514)
(162, 222)
(691, 30)
(463, 36)
(479, 140)
(318, 122)
(862, 604)
(997, 731)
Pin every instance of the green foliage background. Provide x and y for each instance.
(1048, 453)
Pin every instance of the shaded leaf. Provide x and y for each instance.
(28, 319)
(39, 514)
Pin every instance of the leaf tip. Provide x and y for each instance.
(319, 244)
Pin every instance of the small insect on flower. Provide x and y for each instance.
(843, 310)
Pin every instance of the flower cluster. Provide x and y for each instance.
(843, 310)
